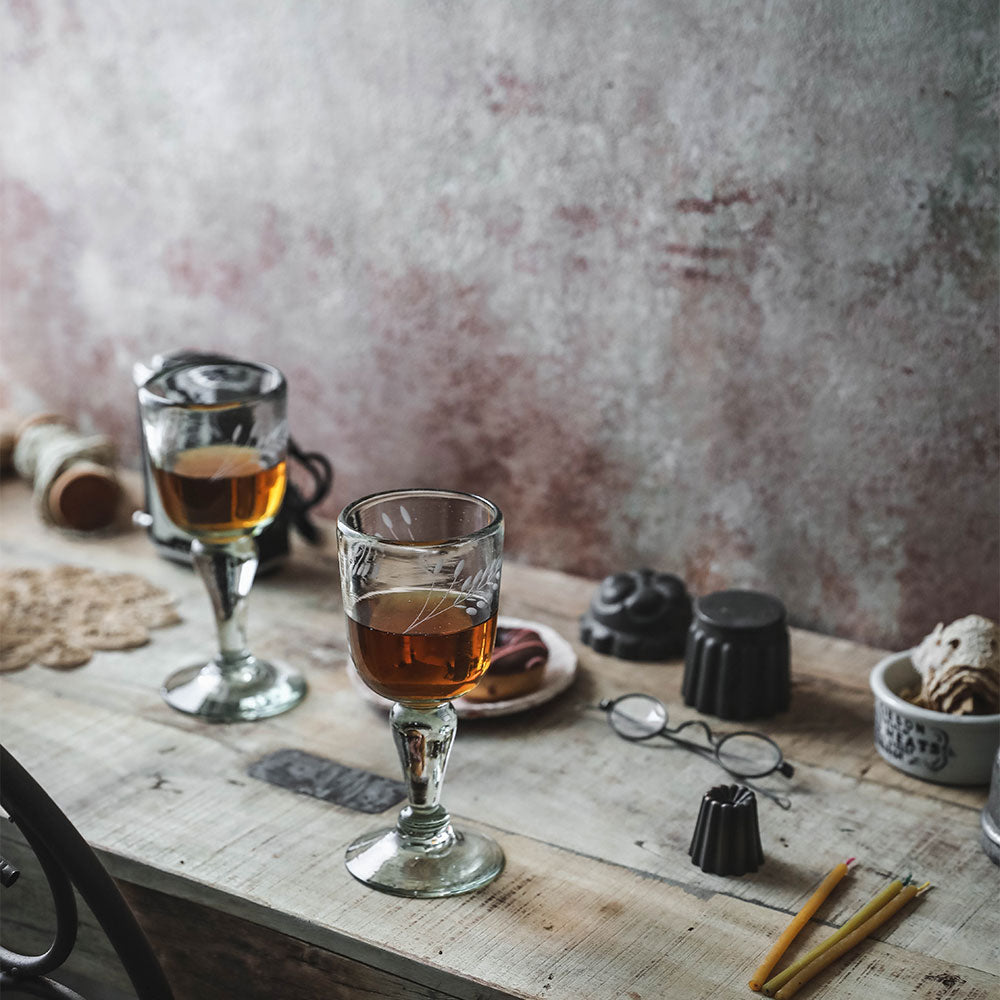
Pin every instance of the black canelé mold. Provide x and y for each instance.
(736, 661)
(726, 837)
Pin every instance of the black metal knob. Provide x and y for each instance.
(8, 873)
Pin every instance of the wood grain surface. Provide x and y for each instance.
(599, 898)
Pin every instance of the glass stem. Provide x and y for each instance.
(228, 571)
(423, 739)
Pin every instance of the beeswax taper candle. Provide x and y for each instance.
(798, 922)
(773, 985)
(855, 937)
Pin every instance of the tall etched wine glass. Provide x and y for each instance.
(420, 573)
(216, 436)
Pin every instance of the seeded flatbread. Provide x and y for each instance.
(57, 617)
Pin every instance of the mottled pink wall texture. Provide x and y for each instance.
(704, 286)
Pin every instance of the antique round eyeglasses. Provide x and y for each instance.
(744, 754)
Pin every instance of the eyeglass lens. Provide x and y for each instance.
(748, 755)
(637, 717)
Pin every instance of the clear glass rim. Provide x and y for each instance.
(355, 534)
(150, 399)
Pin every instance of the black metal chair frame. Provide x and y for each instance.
(68, 862)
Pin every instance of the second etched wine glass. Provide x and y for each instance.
(217, 436)
(420, 574)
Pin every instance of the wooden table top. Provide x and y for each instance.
(599, 898)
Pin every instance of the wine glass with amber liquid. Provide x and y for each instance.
(216, 436)
(420, 574)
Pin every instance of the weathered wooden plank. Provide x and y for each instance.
(241, 958)
(599, 897)
(269, 848)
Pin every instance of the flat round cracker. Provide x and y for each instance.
(63, 655)
(57, 617)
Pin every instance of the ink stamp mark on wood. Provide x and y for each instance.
(324, 779)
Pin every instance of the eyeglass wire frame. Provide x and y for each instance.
(716, 749)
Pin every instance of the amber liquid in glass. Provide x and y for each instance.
(221, 490)
(420, 645)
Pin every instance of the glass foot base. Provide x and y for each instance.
(257, 690)
(384, 861)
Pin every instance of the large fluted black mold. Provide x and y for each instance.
(736, 661)
(639, 615)
(726, 837)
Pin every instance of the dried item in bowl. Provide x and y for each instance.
(959, 667)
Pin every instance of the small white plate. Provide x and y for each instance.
(560, 671)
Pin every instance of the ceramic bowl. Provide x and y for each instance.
(934, 746)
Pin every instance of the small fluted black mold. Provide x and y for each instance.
(726, 837)
(638, 615)
(736, 659)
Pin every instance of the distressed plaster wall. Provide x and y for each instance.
(710, 287)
